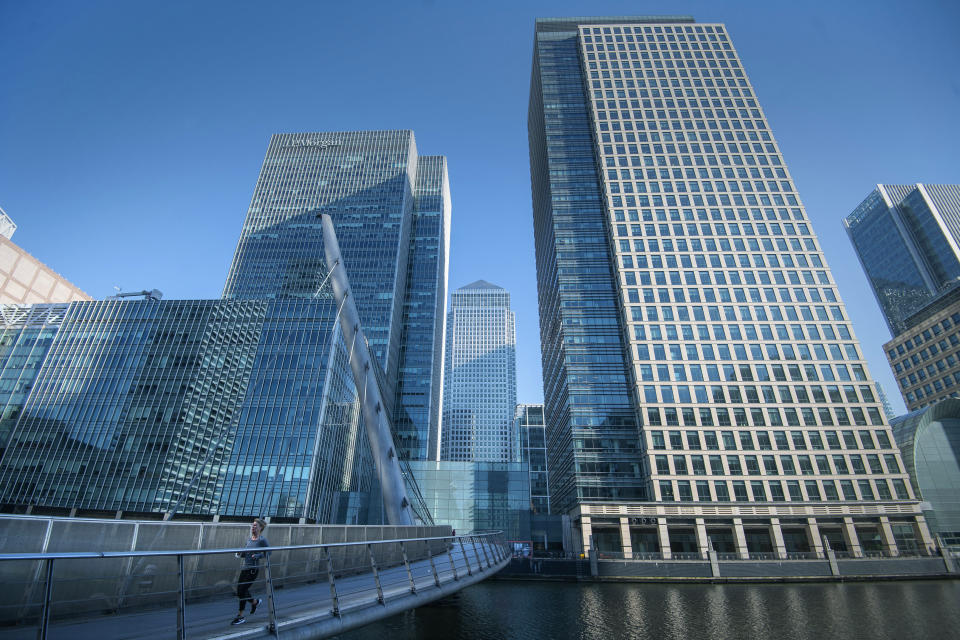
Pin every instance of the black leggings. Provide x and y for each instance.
(247, 576)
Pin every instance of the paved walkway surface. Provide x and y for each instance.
(211, 618)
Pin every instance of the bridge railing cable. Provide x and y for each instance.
(103, 591)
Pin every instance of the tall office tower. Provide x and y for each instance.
(244, 405)
(420, 377)
(533, 451)
(480, 376)
(907, 237)
(701, 378)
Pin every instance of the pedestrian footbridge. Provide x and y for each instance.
(308, 591)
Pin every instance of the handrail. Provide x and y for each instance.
(383, 575)
(77, 555)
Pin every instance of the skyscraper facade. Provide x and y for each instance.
(243, 405)
(701, 377)
(907, 237)
(480, 376)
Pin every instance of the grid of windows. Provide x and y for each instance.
(746, 376)
(732, 315)
(926, 357)
(480, 376)
(731, 312)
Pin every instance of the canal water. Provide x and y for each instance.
(495, 610)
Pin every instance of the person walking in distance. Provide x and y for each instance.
(250, 568)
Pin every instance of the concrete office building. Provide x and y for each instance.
(243, 405)
(480, 376)
(26, 280)
(701, 377)
(925, 355)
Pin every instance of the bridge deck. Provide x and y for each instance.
(303, 611)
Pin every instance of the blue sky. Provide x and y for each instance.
(131, 133)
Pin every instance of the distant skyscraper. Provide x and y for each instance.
(480, 376)
(243, 405)
(908, 241)
(701, 378)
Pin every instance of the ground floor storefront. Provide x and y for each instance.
(629, 531)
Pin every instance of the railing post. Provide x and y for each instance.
(181, 601)
(333, 584)
(406, 563)
(465, 558)
(483, 547)
(473, 541)
(433, 566)
(47, 595)
(376, 574)
(453, 567)
(271, 605)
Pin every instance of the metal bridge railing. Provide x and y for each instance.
(196, 584)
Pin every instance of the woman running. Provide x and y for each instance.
(250, 568)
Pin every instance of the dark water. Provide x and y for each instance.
(527, 610)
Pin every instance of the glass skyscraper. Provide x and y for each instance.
(243, 405)
(480, 376)
(908, 240)
(701, 378)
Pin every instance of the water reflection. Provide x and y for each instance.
(535, 610)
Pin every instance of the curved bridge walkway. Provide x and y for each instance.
(325, 590)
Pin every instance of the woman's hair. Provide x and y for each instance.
(259, 521)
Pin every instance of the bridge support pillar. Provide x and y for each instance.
(816, 541)
(740, 539)
(586, 532)
(664, 534)
(851, 538)
(625, 543)
(776, 535)
(886, 533)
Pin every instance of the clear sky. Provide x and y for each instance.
(131, 133)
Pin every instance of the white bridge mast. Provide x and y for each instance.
(375, 418)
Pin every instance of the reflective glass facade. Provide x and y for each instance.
(477, 496)
(592, 427)
(908, 240)
(243, 405)
(533, 452)
(674, 250)
(420, 371)
(480, 376)
(204, 407)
